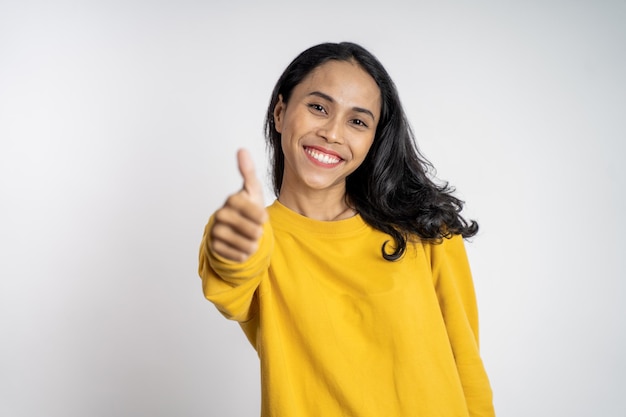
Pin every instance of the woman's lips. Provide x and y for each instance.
(321, 157)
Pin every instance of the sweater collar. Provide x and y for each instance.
(287, 219)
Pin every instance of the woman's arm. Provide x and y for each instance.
(457, 299)
(231, 285)
(236, 247)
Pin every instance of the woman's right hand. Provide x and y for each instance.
(238, 225)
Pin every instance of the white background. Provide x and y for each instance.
(119, 123)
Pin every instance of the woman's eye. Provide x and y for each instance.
(359, 122)
(317, 108)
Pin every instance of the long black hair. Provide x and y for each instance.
(391, 190)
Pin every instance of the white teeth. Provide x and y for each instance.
(322, 157)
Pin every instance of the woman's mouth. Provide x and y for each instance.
(322, 157)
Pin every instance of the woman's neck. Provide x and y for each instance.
(325, 206)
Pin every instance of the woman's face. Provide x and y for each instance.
(327, 127)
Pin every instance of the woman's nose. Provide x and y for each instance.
(332, 131)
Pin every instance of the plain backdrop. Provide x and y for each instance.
(119, 123)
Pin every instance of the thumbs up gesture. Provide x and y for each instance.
(238, 224)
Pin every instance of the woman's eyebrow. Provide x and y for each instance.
(330, 99)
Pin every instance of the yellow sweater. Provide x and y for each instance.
(340, 331)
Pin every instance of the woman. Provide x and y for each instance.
(354, 285)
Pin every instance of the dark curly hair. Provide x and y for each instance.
(391, 190)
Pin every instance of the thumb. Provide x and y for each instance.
(251, 183)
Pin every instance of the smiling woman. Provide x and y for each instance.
(326, 130)
(354, 285)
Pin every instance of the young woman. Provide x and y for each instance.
(354, 285)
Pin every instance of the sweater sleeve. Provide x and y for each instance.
(231, 285)
(457, 299)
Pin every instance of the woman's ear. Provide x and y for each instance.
(279, 111)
